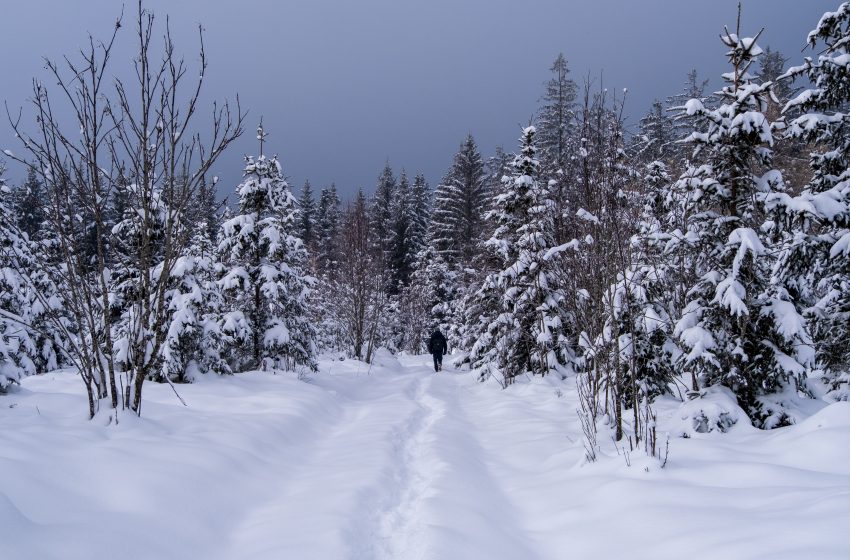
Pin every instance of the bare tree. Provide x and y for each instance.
(138, 134)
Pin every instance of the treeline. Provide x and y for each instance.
(705, 248)
(709, 247)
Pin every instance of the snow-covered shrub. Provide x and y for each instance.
(715, 410)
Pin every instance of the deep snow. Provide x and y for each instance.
(396, 462)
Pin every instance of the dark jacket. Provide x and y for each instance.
(437, 343)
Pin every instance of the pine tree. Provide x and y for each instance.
(557, 118)
(402, 251)
(739, 329)
(436, 282)
(381, 213)
(816, 256)
(30, 205)
(197, 342)
(460, 201)
(642, 303)
(17, 346)
(205, 208)
(656, 141)
(421, 211)
(139, 236)
(684, 123)
(263, 276)
(307, 214)
(30, 304)
(771, 67)
(527, 332)
(327, 232)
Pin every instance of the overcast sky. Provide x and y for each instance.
(344, 85)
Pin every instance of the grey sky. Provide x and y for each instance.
(344, 85)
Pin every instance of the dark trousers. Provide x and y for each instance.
(438, 361)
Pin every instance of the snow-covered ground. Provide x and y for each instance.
(396, 462)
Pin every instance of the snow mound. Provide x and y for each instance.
(715, 410)
(383, 358)
(834, 416)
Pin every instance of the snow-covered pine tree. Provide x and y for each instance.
(403, 247)
(527, 332)
(498, 165)
(30, 205)
(205, 208)
(421, 210)
(683, 123)
(139, 236)
(640, 305)
(435, 282)
(263, 275)
(816, 259)
(381, 218)
(17, 344)
(307, 214)
(656, 140)
(557, 118)
(197, 341)
(738, 329)
(556, 138)
(327, 232)
(33, 323)
(460, 200)
(772, 65)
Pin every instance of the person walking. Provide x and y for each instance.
(437, 346)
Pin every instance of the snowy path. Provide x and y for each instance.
(395, 462)
(423, 477)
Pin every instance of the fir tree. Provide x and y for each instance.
(197, 341)
(816, 256)
(421, 212)
(401, 244)
(656, 141)
(263, 276)
(139, 236)
(307, 214)
(557, 117)
(17, 346)
(460, 200)
(30, 304)
(738, 328)
(30, 205)
(642, 303)
(526, 336)
(381, 213)
(771, 67)
(683, 122)
(205, 208)
(327, 232)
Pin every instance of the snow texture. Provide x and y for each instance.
(398, 463)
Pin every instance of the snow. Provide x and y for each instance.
(394, 461)
(583, 214)
(693, 106)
